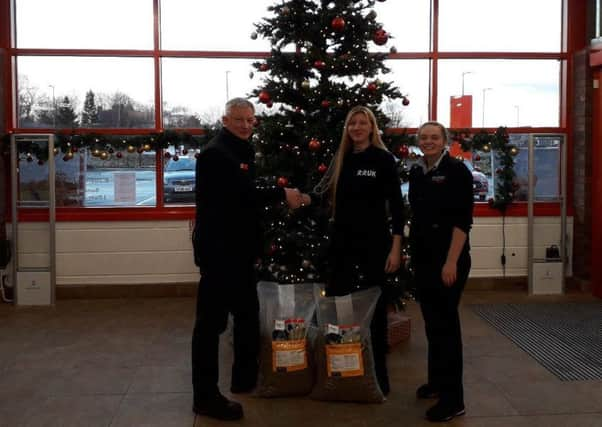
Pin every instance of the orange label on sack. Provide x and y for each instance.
(344, 360)
(289, 356)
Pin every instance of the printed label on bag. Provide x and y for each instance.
(344, 360)
(289, 356)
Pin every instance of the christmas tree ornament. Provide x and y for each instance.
(147, 147)
(264, 97)
(184, 152)
(282, 181)
(371, 15)
(285, 11)
(167, 155)
(403, 151)
(254, 36)
(486, 148)
(393, 50)
(322, 168)
(104, 155)
(251, 74)
(56, 151)
(110, 150)
(319, 64)
(96, 152)
(513, 150)
(269, 104)
(314, 145)
(29, 159)
(140, 150)
(476, 158)
(372, 87)
(380, 37)
(405, 101)
(196, 155)
(119, 154)
(338, 24)
(264, 67)
(305, 85)
(325, 103)
(40, 162)
(175, 158)
(130, 149)
(69, 155)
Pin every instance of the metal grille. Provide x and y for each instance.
(565, 338)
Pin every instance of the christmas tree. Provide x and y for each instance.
(320, 66)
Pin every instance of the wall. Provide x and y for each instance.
(159, 252)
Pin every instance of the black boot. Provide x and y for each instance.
(444, 411)
(218, 407)
(427, 391)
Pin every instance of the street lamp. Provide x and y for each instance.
(485, 89)
(53, 107)
(463, 74)
(517, 109)
(227, 85)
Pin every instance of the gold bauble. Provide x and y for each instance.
(131, 148)
(146, 147)
(305, 84)
(95, 152)
(104, 155)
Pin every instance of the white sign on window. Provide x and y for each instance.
(125, 187)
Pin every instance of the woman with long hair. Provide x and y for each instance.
(362, 189)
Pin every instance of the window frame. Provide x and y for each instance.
(571, 41)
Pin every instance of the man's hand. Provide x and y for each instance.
(294, 198)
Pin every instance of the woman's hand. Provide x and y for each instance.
(449, 273)
(393, 261)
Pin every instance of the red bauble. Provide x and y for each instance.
(196, 155)
(338, 23)
(371, 87)
(325, 103)
(40, 162)
(29, 159)
(264, 96)
(119, 155)
(477, 158)
(282, 181)
(319, 64)
(322, 168)
(314, 145)
(264, 67)
(405, 101)
(380, 37)
(184, 152)
(176, 158)
(404, 151)
(269, 104)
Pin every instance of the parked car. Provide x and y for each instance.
(480, 183)
(179, 180)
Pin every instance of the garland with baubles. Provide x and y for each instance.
(480, 141)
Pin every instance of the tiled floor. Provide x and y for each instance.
(126, 363)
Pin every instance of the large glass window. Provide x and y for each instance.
(77, 24)
(411, 76)
(408, 22)
(504, 92)
(224, 25)
(500, 26)
(69, 92)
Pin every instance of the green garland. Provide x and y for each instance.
(480, 141)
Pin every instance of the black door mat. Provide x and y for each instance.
(565, 338)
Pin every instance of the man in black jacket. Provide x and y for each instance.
(227, 240)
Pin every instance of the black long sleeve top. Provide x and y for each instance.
(441, 199)
(228, 203)
(368, 190)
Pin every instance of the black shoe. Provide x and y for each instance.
(383, 383)
(426, 391)
(443, 411)
(218, 407)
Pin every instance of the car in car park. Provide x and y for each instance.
(480, 183)
(179, 180)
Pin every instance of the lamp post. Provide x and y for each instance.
(53, 107)
(227, 85)
(517, 109)
(485, 89)
(463, 74)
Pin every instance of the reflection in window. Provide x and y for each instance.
(65, 24)
(69, 92)
(196, 90)
(503, 92)
(522, 26)
(225, 26)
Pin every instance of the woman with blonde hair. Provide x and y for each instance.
(362, 188)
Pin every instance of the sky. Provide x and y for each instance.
(516, 93)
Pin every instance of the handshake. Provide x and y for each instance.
(295, 199)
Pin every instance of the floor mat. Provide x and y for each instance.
(566, 338)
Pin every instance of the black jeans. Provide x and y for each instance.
(229, 289)
(439, 305)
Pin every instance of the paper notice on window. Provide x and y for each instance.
(125, 187)
(344, 360)
(289, 356)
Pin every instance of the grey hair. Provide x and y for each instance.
(238, 103)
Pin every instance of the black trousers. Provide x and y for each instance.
(229, 289)
(439, 306)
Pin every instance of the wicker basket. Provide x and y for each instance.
(399, 328)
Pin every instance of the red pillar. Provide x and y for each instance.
(460, 108)
(596, 185)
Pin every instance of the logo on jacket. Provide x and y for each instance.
(244, 166)
(366, 172)
(438, 179)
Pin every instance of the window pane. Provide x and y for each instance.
(503, 92)
(224, 25)
(411, 76)
(112, 92)
(547, 167)
(408, 22)
(179, 176)
(121, 179)
(500, 26)
(68, 24)
(195, 90)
